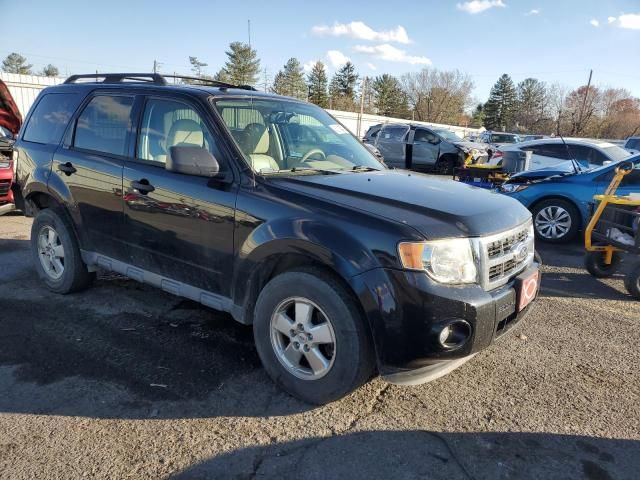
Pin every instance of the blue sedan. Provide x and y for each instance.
(559, 199)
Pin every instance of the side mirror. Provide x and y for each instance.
(191, 160)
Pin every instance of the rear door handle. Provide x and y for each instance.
(67, 168)
(143, 186)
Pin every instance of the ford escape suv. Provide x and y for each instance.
(269, 209)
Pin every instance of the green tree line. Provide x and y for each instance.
(430, 95)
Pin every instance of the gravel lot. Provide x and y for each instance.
(124, 381)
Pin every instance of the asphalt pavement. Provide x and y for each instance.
(125, 381)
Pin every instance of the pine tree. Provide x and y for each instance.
(16, 63)
(532, 96)
(390, 99)
(347, 78)
(477, 119)
(50, 71)
(501, 106)
(196, 66)
(290, 80)
(317, 83)
(221, 76)
(243, 65)
(343, 87)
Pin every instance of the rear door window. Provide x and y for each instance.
(104, 124)
(391, 134)
(50, 117)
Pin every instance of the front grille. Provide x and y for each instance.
(504, 255)
(5, 185)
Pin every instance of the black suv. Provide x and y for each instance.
(268, 208)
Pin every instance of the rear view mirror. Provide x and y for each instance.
(192, 160)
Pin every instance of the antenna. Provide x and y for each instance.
(249, 31)
(574, 162)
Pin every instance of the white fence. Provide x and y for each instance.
(25, 89)
(350, 121)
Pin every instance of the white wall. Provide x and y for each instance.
(350, 120)
(25, 88)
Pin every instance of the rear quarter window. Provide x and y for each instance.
(50, 118)
(103, 125)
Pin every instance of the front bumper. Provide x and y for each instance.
(405, 310)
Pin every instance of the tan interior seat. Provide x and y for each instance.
(183, 132)
(257, 147)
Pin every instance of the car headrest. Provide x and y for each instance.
(185, 131)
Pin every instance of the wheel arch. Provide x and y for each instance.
(538, 201)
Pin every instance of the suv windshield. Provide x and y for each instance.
(281, 135)
(447, 135)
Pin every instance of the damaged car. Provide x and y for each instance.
(425, 149)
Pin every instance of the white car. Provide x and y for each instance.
(551, 152)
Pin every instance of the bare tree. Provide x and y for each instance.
(438, 96)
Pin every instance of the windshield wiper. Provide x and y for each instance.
(364, 168)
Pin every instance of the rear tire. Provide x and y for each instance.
(318, 368)
(594, 263)
(632, 282)
(56, 253)
(445, 166)
(555, 221)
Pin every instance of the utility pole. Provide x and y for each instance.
(362, 94)
(584, 102)
(155, 66)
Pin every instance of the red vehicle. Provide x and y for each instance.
(10, 121)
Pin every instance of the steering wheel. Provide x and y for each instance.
(311, 152)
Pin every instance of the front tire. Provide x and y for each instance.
(556, 221)
(594, 263)
(311, 337)
(56, 253)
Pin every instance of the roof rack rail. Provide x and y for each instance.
(209, 81)
(154, 78)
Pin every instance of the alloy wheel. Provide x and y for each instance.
(51, 252)
(302, 338)
(553, 222)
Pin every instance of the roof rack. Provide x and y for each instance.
(154, 78)
(209, 81)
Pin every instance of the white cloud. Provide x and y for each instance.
(337, 58)
(372, 67)
(391, 54)
(477, 6)
(533, 11)
(630, 21)
(594, 22)
(362, 31)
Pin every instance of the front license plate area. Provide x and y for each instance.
(527, 285)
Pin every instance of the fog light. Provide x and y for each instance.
(454, 334)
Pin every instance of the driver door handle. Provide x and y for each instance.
(143, 186)
(67, 168)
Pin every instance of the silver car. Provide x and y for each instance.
(426, 149)
(552, 152)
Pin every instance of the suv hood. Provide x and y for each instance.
(435, 206)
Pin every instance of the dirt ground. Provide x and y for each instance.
(125, 381)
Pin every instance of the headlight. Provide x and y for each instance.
(513, 187)
(446, 261)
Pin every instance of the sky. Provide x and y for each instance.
(552, 40)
